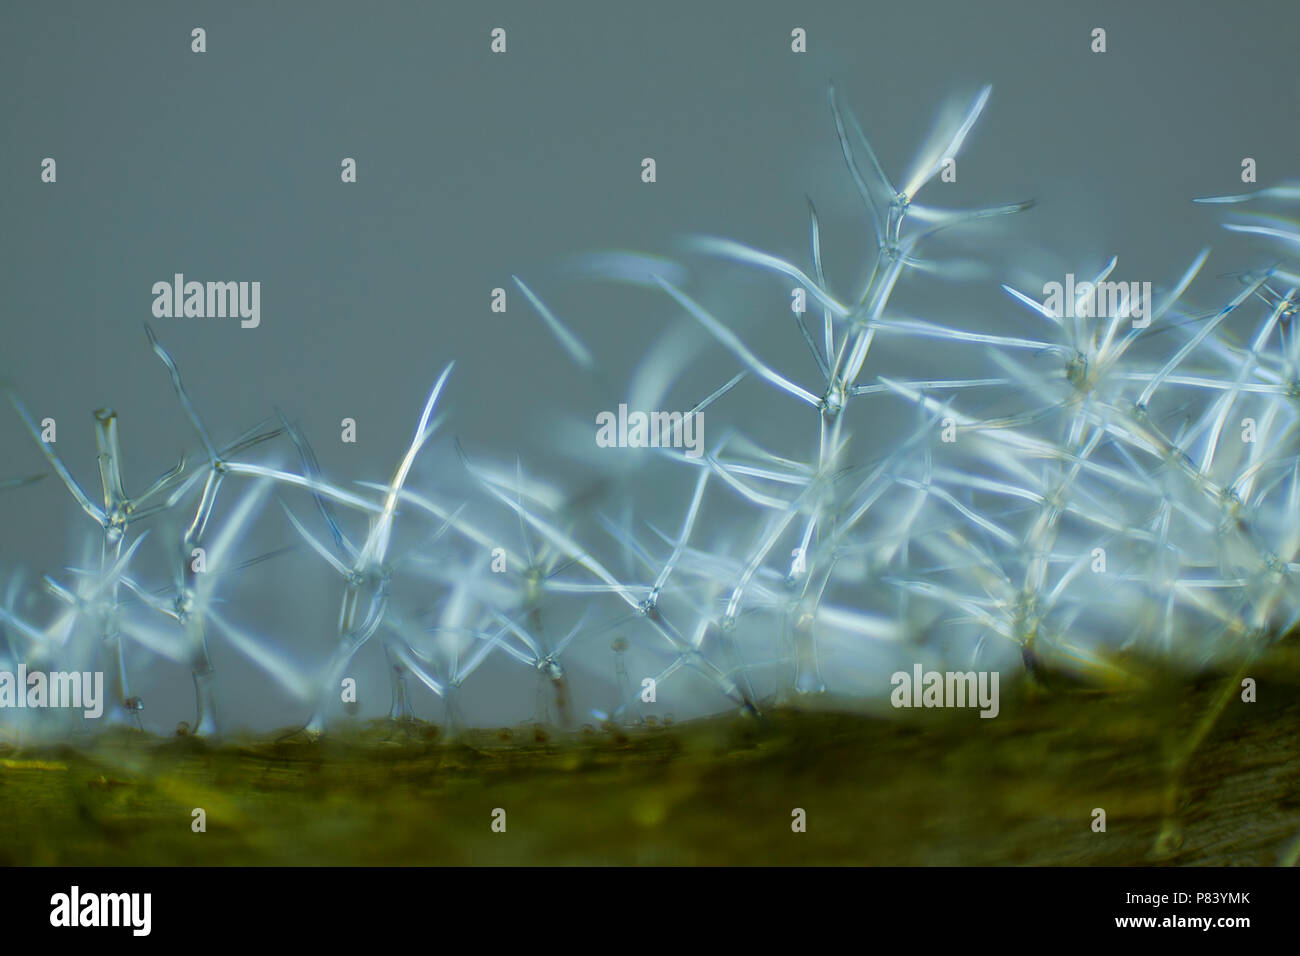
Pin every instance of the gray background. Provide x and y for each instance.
(473, 166)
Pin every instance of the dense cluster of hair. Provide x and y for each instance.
(1101, 490)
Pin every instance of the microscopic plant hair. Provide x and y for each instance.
(1116, 477)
